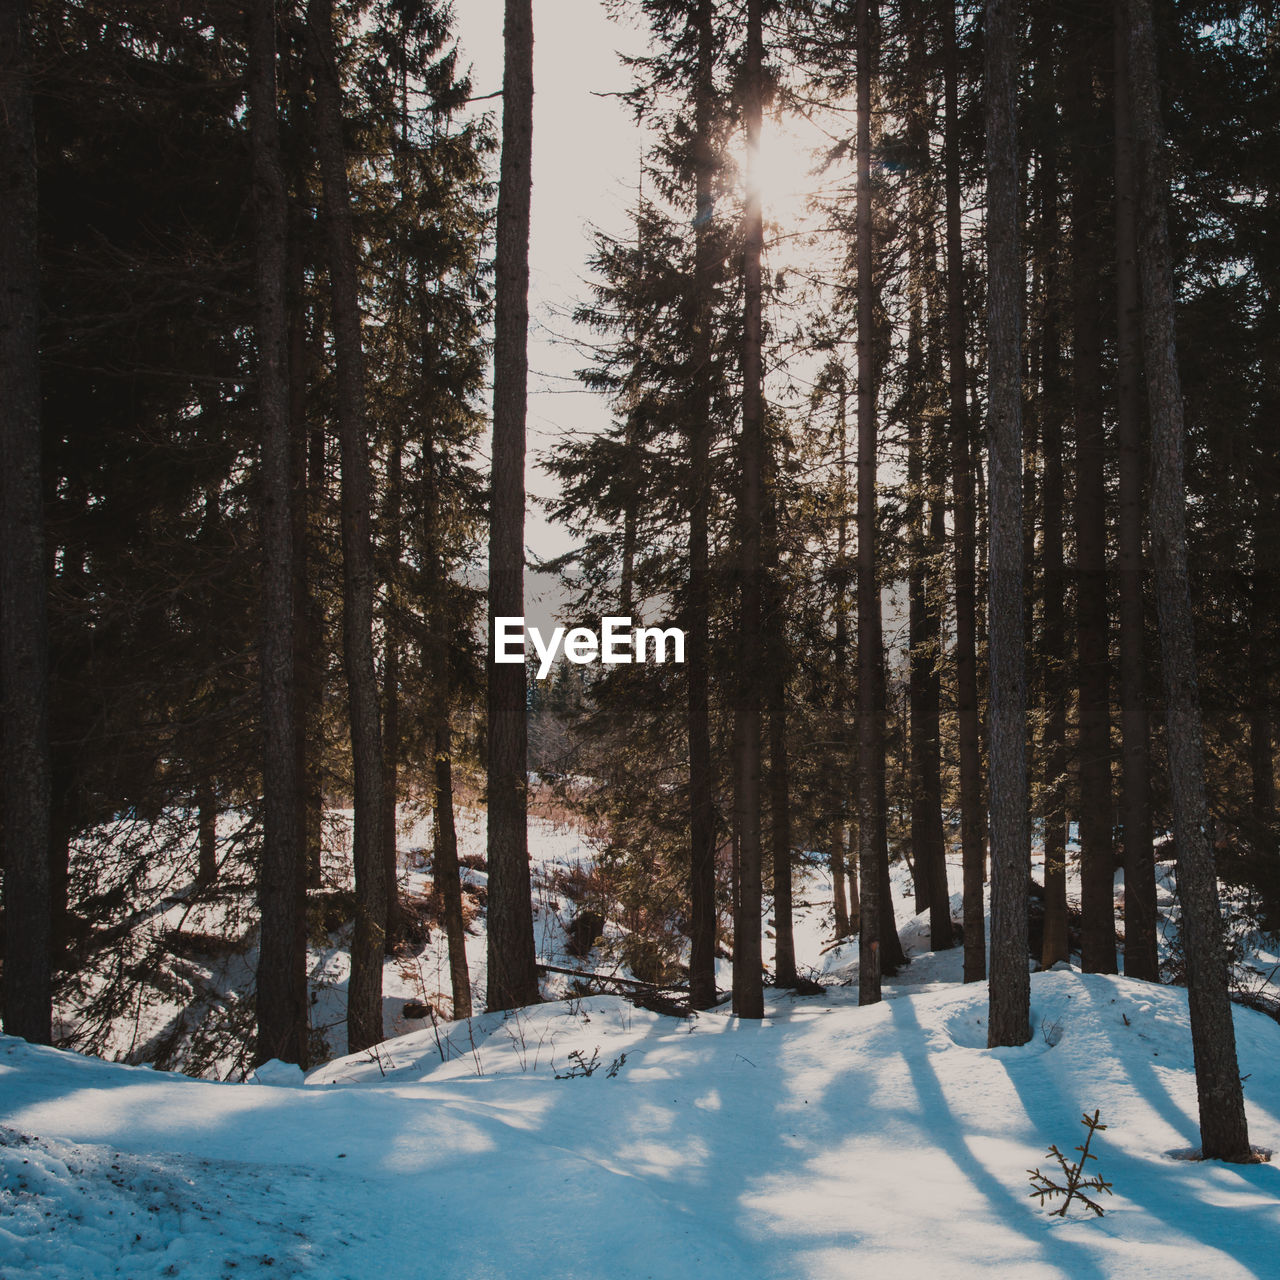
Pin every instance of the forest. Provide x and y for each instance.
(933, 376)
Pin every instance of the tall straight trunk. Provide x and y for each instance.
(1223, 1130)
(785, 974)
(308, 622)
(779, 781)
(391, 685)
(1055, 944)
(445, 867)
(702, 817)
(1008, 1020)
(892, 955)
(1261, 647)
(1052, 402)
(747, 959)
(364, 991)
(1093, 746)
(928, 841)
(870, 727)
(919, 660)
(513, 972)
(445, 870)
(282, 971)
(846, 913)
(24, 627)
(1140, 958)
(966, 594)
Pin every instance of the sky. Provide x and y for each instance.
(586, 157)
(587, 149)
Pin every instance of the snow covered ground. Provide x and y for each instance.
(826, 1141)
(586, 1138)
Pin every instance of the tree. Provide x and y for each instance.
(1009, 1002)
(513, 975)
(966, 604)
(702, 818)
(1223, 1129)
(1093, 745)
(24, 662)
(748, 987)
(364, 991)
(1140, 959)
(282, 981)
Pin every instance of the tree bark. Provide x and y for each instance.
(747, 957)
(445, 871)
(1008, 1021)
(779, 780)
(391, 685)
(282, 972)
(1140, 956)
(870, 644)
(364, 992)
(24, 627)
(1223, 1130)
(513, 974)
(966, 596)
(1093, 745)
(702, 818)
(1055, 943)
(928, 841)
(847, 916)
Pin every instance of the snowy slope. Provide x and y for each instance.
(827, 1141)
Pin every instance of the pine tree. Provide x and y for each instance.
(24, 662)
(1008, 1019)
(513, 978)
(1223, 1128)
(364, 991)
(281, 981)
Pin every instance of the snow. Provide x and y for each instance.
(588, 1138)
(822, 1142)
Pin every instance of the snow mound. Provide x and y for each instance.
(589, 1139)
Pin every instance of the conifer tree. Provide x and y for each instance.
(24, 662)
(513, 978)
(1008, 1018)
(1223, 1129)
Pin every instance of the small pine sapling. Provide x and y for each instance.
(1077, 1185)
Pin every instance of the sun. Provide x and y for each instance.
(783, 171)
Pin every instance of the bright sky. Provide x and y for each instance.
(586, 160)
(586, 155)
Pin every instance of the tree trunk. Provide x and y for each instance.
(391, 686)
(513, 974)
(966, 595)
(747, 958)
(364, 993)
(845, 918)
(779, 782)
(702, 817)
(1009, 998)
(445, 871)
(308, 485)
(24, 627)
(928, 841)
(1140, 958)
(870, 726)
(1055, 944)
(1093, 746)
(1223, 1130)
(282, 968)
